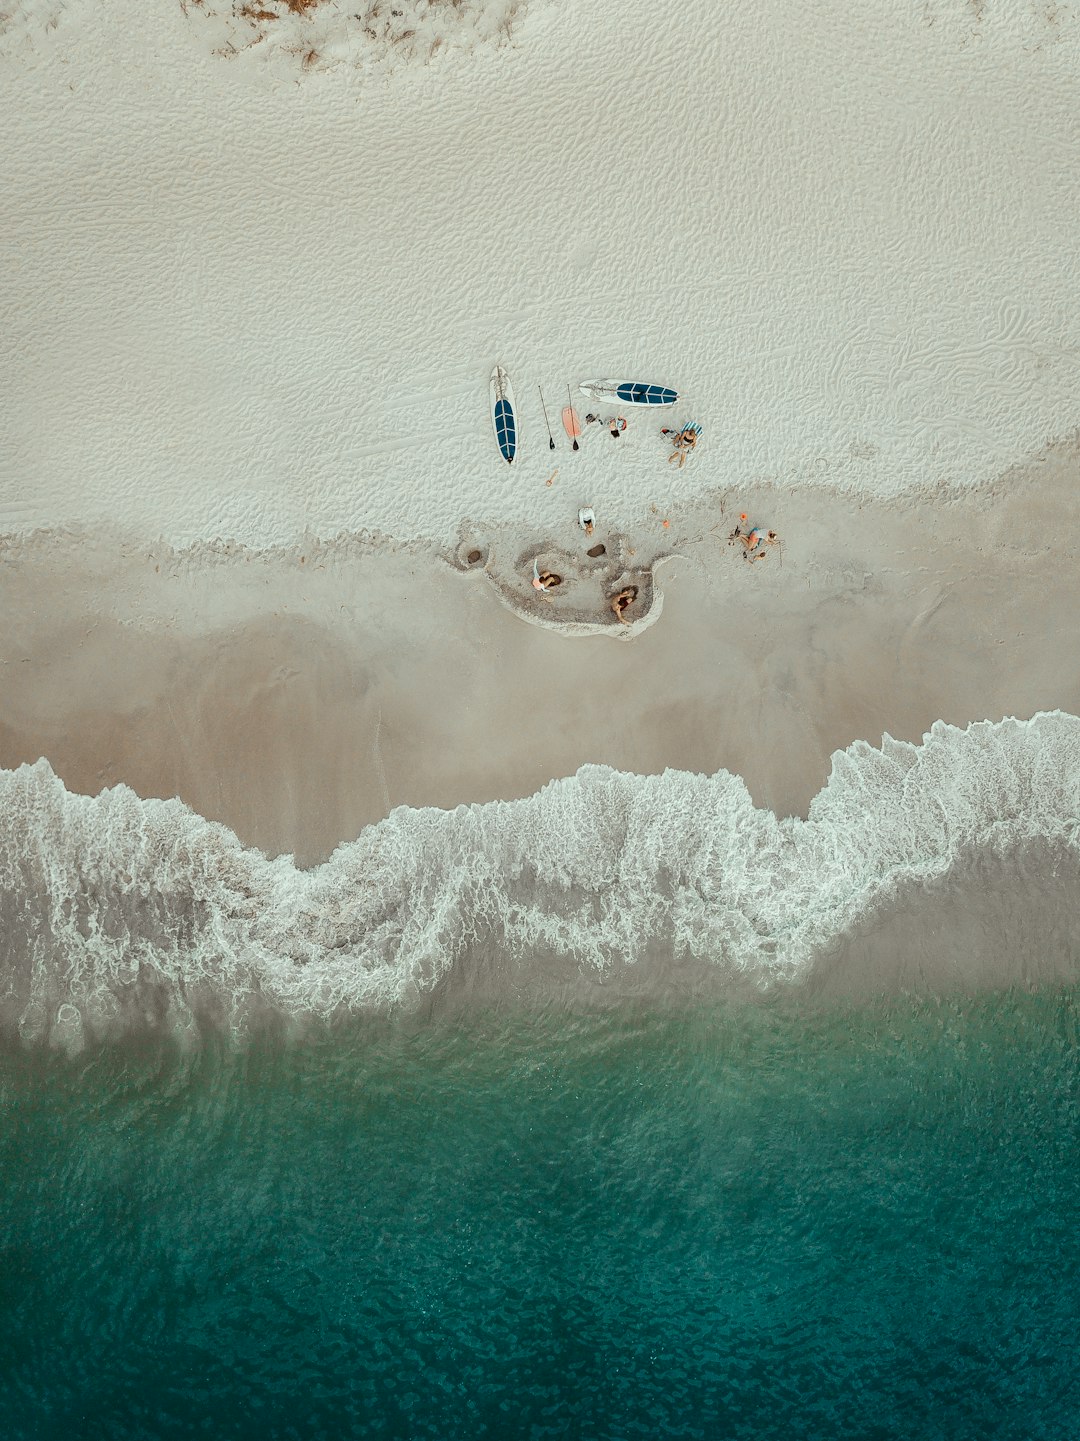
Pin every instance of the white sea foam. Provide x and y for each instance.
(953, 861)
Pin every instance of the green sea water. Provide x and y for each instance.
(729, 1222)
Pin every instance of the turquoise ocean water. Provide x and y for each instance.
(726, 1221)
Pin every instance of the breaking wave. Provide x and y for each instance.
(952, 863)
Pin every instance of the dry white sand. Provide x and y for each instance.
(247, 296)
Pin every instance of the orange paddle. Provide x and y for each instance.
(570, 421)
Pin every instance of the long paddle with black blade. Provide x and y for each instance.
(551, 438)
(543, 407)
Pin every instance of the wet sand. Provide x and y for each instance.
(298, 696)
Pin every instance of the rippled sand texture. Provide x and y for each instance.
(242, 299)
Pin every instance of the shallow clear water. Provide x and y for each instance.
(735, 1222)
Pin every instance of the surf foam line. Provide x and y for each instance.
(951, 861)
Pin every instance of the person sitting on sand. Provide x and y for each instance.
(622, 602)
(586, 519)
(682, 443)
(544, 580)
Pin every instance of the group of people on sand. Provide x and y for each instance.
(547, 580)
(616, 424)
(622, 602)
(754, 539)
(682, 441)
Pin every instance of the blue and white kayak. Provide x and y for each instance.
(502, 414)
(629, 392)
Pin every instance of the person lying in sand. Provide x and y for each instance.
(616, 424)
(753, 539)
(621, 603)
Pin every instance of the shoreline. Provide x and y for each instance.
(298, 698)
(943, 868)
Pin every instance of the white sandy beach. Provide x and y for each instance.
(256, 267)
(244, 299)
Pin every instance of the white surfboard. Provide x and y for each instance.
(630, 392)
